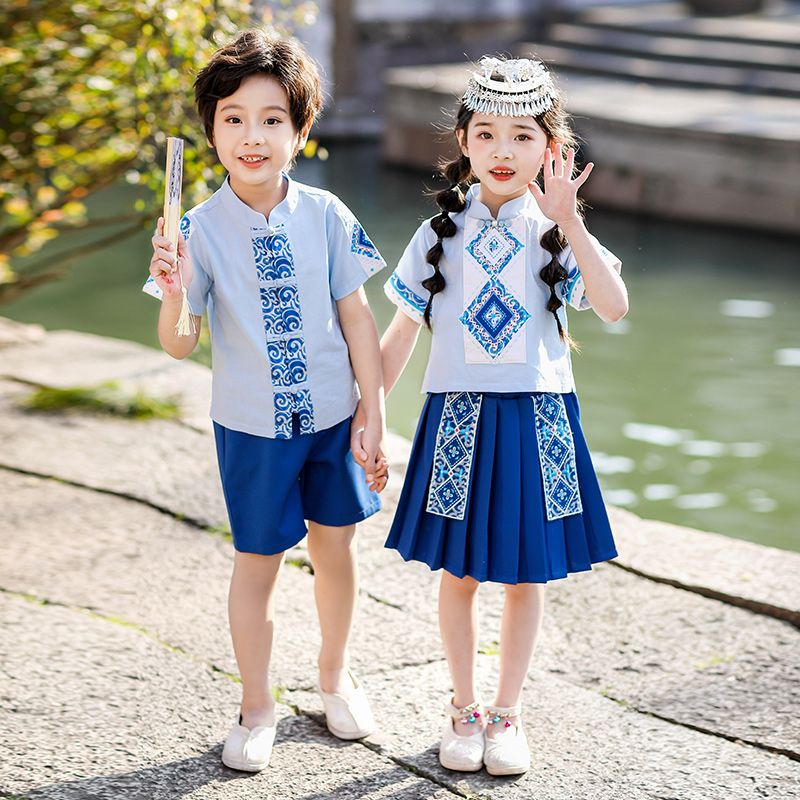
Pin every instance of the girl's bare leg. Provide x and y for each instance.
(522, 620)
(458, 624)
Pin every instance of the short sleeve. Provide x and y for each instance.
(571, 290)
(201, 281)
(404, 287)
(352, 257)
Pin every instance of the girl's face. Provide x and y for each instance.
(506, 153)
(254, 135)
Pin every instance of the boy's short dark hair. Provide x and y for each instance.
(260, 52)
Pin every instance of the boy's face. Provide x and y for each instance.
(254, 135)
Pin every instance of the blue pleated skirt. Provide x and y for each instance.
(505, 535)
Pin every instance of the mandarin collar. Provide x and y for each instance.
(278, 216)
(509, 209)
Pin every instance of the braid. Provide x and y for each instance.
(450, 200)
(552, 273)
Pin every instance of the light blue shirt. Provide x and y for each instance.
(491, 328)
(270, 287)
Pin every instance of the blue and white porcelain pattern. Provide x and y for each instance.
(399, 292)
(185, 227)
(494, 247)
(494, 313)
(452, 459)
(494, 317)
(286, 405)
(283, 328)
(273, 256)
(280, 309)
(150, 286)
(362, 245)
(556, 456)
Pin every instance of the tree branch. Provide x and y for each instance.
(29, 279)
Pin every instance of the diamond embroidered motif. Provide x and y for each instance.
(494, 317)
(452, 458)
(494, 247)
(361, 243)
(556, 456)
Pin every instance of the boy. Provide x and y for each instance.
(279, 266)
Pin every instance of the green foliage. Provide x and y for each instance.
(107, 398)
(89, 90)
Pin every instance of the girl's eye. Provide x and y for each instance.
(484, 135)
(523, 137)
(233, 119)
(272, 121)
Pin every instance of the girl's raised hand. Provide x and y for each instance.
(558, 201)
(163, 263)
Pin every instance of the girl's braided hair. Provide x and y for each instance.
(458, 174)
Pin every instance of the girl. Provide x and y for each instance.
(500, 485)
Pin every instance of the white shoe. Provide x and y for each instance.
(348, 716)
(462, 753)
(248, 749)
(506, 753)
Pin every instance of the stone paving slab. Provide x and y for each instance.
(728, 675)
(132, 563)
(583, 745)
(101, 453)
(170, 466)
(131, 719)
(764, 577)
(69, 358)
(672, 652)
(676, 654)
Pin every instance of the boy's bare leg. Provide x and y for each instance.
(251, 613)
(332, 551)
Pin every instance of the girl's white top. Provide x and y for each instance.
(491, 328)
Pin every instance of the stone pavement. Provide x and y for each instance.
(653, 678)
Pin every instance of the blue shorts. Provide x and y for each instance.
(272, 485)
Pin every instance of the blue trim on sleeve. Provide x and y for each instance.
(411, 297)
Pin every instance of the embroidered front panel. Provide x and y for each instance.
(494, 277)
(409, 297)
(494, 247)
(280, 309)
(494, 317)
(556, 456)
(286, 405)
(273, 256)
(283, 330)
(452, 458)
(287, 358)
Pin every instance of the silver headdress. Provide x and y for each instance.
(525, 89)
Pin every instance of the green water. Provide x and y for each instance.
(689, 404)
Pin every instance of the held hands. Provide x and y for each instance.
(558, 200)
(368, 451)
(163, 263)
